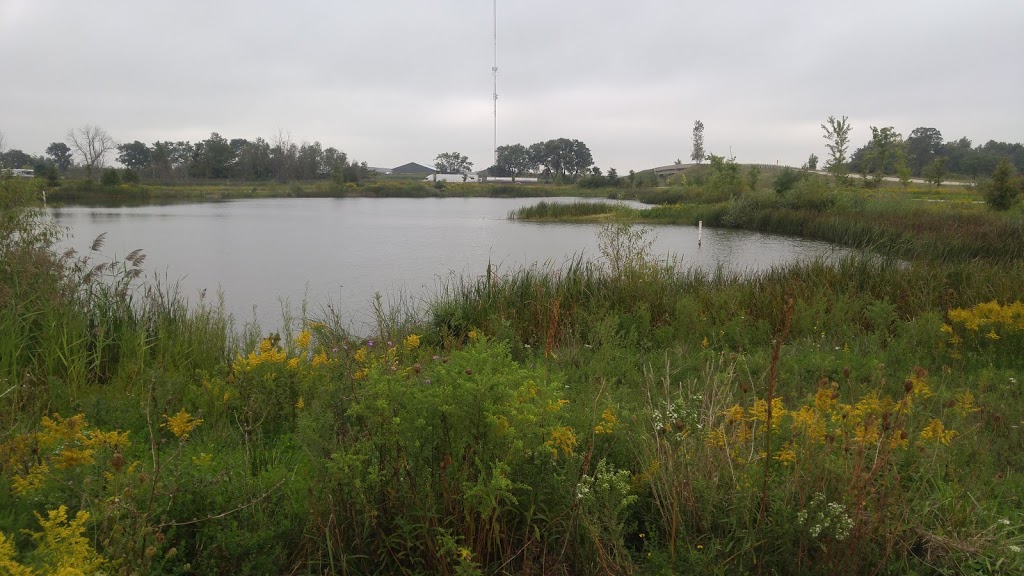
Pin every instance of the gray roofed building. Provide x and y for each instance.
(412, 168)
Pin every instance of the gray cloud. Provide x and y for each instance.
(402, 80)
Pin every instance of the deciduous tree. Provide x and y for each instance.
(935, 172)
(837, 133)
(61, 155)
(1002, 190)
(562, 158)
(882, 152)
(452, 163)
(134, 155)
(92, 143)
(697, 154)
(923, 145)
(514, 160)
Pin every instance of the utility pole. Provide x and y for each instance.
(494, 72)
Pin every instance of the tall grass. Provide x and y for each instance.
(610, 416)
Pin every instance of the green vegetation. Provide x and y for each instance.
(611, 416)
(85, 191)
(888, 221)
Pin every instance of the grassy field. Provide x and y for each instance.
(615, 416)
(84, 191)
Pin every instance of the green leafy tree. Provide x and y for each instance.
(725, 175)
(812, 162)
(753, 175)
(452, 163)
(697, 154)
(253, 160)
(15, 158)
(882, 152)
(213, 157)
(562, 158)
(61, 155)
(514, 160)
(92, 143)
(935, 172)
(923, 145)
(837, 133)
(903, 171)
(135, 155)
(1002, 190)
(310, 161)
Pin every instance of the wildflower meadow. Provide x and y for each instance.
(610, 416)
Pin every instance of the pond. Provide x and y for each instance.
(268, 253)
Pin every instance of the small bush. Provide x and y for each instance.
(786, 180)
(110, 177)
(1002, 190)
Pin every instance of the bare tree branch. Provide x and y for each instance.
(92, 144)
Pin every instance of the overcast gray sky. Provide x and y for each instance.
(393, 81)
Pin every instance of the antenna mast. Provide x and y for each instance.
(494, 72)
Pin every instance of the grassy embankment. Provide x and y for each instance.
(615, 417)
(81, 190)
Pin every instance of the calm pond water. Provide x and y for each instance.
(267, 253)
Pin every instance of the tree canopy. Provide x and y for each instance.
(452, 163)
(514, 160)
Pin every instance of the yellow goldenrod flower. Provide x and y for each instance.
(303, 339)
(412, 342)
(810, 422)
(608, 421)
(61, 542)
(34, 480)
(716, 438)
(557, 405)
(965, 403)
(759, 411)
(786, 455)
(181, 424)
(937, 433)
(734, 414)
(301, 403)
(71, 457)
(360, 355)
(562, 439)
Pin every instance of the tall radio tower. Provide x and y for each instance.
(494, 72)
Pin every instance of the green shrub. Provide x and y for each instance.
(110, 177)
(1002, 189)
(786, 179)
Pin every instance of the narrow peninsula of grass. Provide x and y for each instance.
(885, 223)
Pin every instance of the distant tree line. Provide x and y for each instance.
(213, 158)
(925, 154)
(238, 158)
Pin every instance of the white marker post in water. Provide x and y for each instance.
(700, 231)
